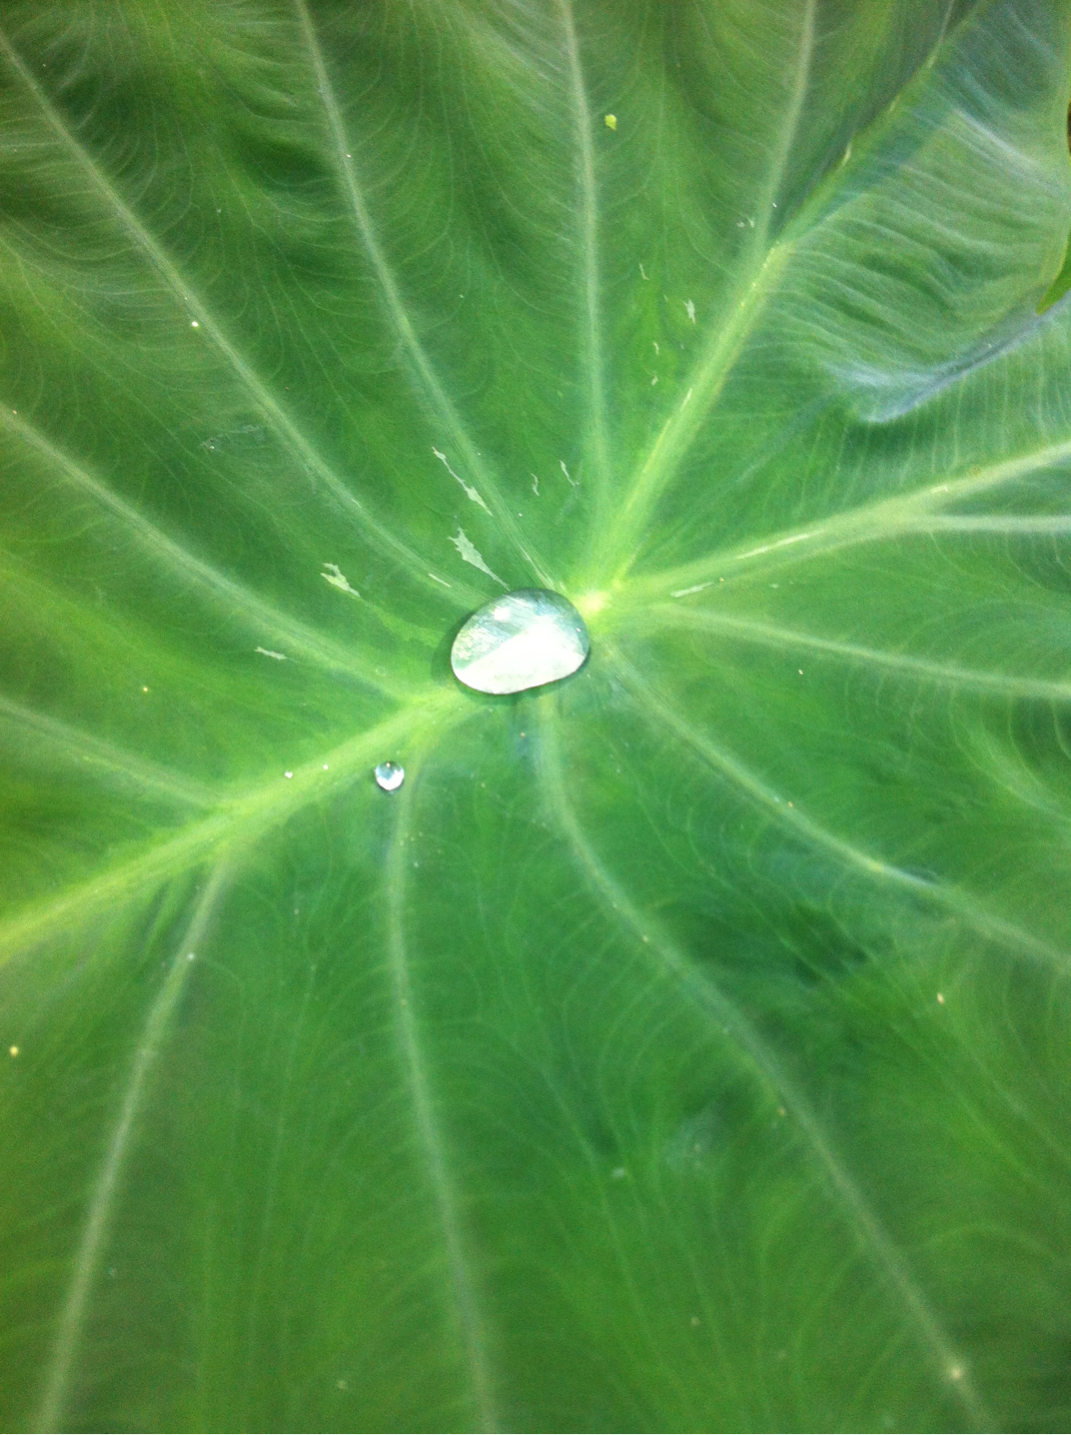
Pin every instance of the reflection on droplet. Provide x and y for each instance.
(390, 776)
(523, 640)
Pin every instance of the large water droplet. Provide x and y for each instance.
(521, 640)
(390, 776)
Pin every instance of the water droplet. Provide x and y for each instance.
(523, 640)
(390, 776)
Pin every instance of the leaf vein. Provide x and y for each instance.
(431, 1139)
(436, 395)
(375, 532)
(730, 1020)
(96, 1228)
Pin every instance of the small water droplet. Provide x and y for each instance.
(390, 776)
(523, 640)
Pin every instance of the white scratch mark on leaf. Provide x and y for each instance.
(535, 485)
(279, 657)
(473, 496)
(683, 592)
(440, 580)
(470, 555)
(643, 272)
(690, 309)
(687, 396)
(574, 481)
(781, 543)
(334, 575)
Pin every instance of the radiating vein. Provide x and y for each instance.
(759, 791)
(659, 467)
(793, 111)
(96, 1230)
(730, 1021)
(87, 753)
(269, 1190)
(269, 622)
(762, 266)
(964, 905)
(375, 532)
(952, 675)
(237, 823)
(588, 225)
(883, 518)
(466, 1301)
(430, 386)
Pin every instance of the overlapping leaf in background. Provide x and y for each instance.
(684, 1046)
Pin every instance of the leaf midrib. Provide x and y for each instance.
(237, 822)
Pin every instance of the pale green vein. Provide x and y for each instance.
(1043, 525)
(269, 1190)
(884, 518)
(729, 1021)
(789, 128)
(90, 754)
(770, 635)
(457, 438)
(466, 1302)
(762, 267)
(269, 623)
(616, 554)
(931, 58)
(95, 1231)
(759, 791)
(964, 905)
(239, 821)
(375, 532)
(588, 226)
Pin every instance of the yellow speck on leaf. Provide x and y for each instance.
(611, 122)
(13, 1051)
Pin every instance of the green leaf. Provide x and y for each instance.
(684, 1045)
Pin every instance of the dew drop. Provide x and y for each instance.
(390, 776)
(522, 640)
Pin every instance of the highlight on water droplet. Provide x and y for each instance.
(390, 776)
(521, 640)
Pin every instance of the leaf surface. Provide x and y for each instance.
(683, 1045)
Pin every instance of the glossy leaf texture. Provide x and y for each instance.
(683, 1046)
